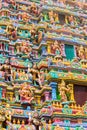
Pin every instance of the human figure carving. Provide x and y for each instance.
(26, 93)
(81, 52)
(63, 89)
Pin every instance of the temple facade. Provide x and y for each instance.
(43, 65)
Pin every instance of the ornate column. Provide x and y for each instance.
(3, 93)
(72, 98)
(75, 51)
(38, 99)
(63, 50)
(43, 50)
(11, 96)
(9, 49)
(48, 48)
(6, 47)
(46, 94)
(12, 50)
(17, 96)
(53, 86)
(0, 93)
(8, 95)
(0, 46)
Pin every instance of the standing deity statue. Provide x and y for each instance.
(36, 77)
(55, 48)
(81, 52)
(51, 13)
(63, 90)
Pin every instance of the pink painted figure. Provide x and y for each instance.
(55, 48)
(3, 93)
(26, 93)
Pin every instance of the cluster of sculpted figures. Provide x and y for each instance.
(64, 90)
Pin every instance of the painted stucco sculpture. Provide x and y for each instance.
(43, 65)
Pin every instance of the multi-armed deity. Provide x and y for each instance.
(26, 93)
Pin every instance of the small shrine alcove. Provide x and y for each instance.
(80, 93)
(62, 18)
(69, 51)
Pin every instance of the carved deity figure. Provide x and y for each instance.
(11, 32)
(51, 15)
(25, 48)
(81, 52)
(36, 121)
(55, 49)
(33, 9)
(2, 117)
(36, 77)
(56, 18)
(71, 20)
(7, 113)
(26, 93)
(25, 17)
(63, 90)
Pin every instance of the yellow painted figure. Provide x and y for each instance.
(63, 91)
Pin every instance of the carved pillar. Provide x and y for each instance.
(17, 96)
(38, 99)
(53, 86)
(66, 20)
(75, 51)
(17, 49)
(49, 49)
(8, 95)
(0, 46)
(0, 92)
(3, 93)
(63, 50)
(6, 47)
(12, 50)
(43, 50)
(72, 93)
(11, 96)
(46, 94)
(9, 49)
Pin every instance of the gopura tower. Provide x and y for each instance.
(43, 65)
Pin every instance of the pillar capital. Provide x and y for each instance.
(53, 84)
